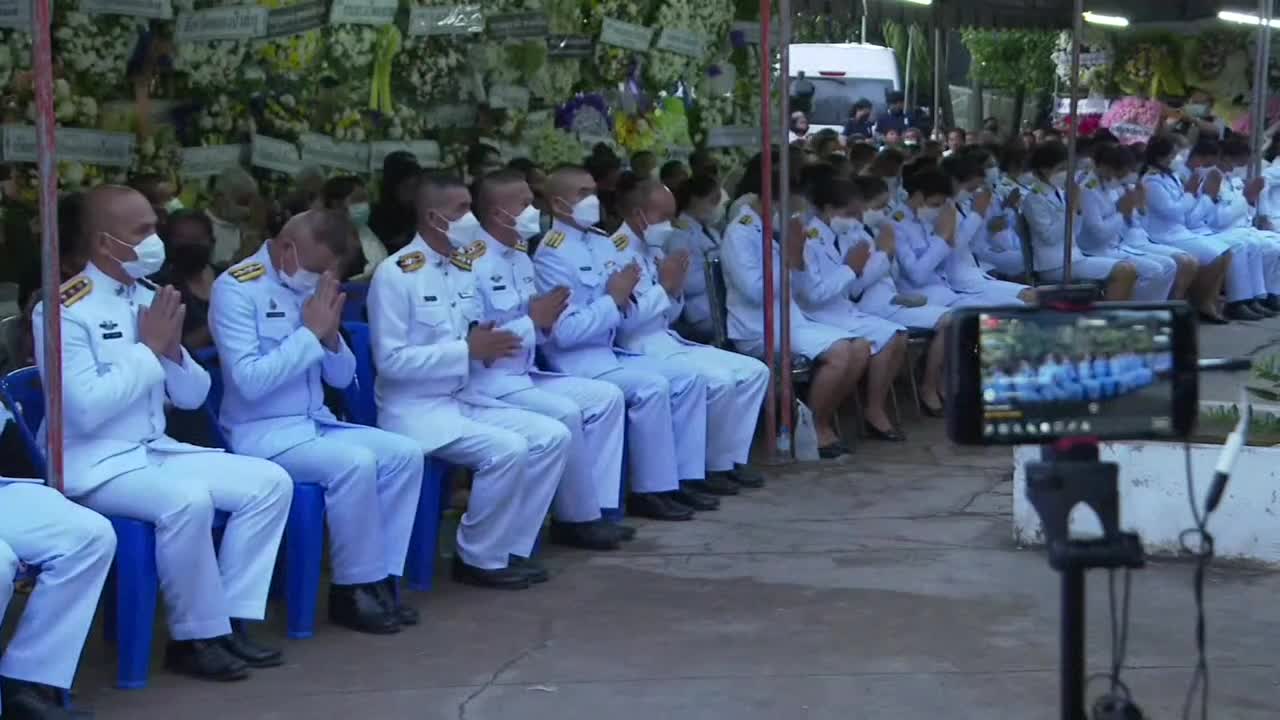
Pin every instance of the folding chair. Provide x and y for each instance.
(357, 295)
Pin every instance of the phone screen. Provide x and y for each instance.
(1105, 372)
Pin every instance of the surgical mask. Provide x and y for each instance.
(359, 213)
(844, 225)
(462, 230)
(1239, 173)
(929, 215)
(1131, 179)
(302, 281)
(655, 235)
(874, 218)
(1179, 161)
(992, 175)
(1059, 179)
(528, 222)
(963, 197)
(586, 212)
(1197, 110)
(150, 254)
(174, 205)
(1084, 165)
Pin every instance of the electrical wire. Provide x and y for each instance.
(1197, 542)
(1119, 630)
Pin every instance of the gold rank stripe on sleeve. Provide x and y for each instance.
(245, 273)
(460, 261)
(75, 290)
(620, 241)
(411, 262)
(522, 246)
(554, 240)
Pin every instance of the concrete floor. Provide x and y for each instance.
(1255, 339)
(884, 586)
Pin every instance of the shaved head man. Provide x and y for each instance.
(571, 194)
(118, 220)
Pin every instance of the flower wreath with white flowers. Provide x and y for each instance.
(289, 57)
(615, 64)
(434, 67)
(15, 54)
(209, 65)
(95, 49)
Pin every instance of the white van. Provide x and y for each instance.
(841, 73)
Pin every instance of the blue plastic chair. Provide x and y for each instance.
(357, 295)
(303, 534)
(133, 585)
(420, 566)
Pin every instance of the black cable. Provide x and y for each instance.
(1119, 630)
(1197, 542)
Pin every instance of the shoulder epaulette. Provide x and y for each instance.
(475, 250)
(746, 220)
(1092, 184)
(411, 262)
(1036, 189)
(812, 233)
(461, 261)
(554, 239)
(620, 241)
(899, 216)
(245, 273)
(522, 246)
(75, 290)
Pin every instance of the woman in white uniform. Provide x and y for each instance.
(979, 220)
(1171, 205)
(1046, 212)
(702, 209)
(840, 360)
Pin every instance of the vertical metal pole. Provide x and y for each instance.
(50, 275)
(906, 87)
(1072, 644)
(766, 216)
(1258, 110)
(862, 35)
(1077, 28)
(784, 195)
(937, 72)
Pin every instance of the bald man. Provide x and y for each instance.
(275, 319)
(122, 361)
(735, 383)
(666, 406)
(429, 336)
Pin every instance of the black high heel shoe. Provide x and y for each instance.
(890, 435)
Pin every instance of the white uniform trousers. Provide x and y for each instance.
(651, 463)
(1008, 263)
(518, 458)
(1266, 271)
(688, 412)
(1239, 285)
(1156, 272)
(735, 391)
(73, 546)
(593, 411)
(1245, 280)
(1089, 267)
(371, 479)
(922, 316)
(178, 493)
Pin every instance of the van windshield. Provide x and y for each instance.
(833, 97)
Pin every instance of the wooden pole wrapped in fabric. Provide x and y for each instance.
(784, 196)
(50, 273)
(1077, 27)
(766, 208)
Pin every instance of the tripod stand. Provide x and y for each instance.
(1069, 473)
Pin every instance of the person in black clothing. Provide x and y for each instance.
(860, 120)
(895, 118)
(392, 219)
(188, 239)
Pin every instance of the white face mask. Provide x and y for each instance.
(992, 175)
(844, 225)
(302, 281)
(1059, 179)
(963, 197)
(929, 215)
(1179, 161)
(1197, 110)
(150, 254)
(528, 223)
(463, 230)
(586, 212)
(1131, 179)
(874, 218)
(655, 235)
(1239, 173)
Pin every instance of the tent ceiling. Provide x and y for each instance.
(1047, 14)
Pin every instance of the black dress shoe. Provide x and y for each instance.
(1273, 302)
(1261, 308)
(507, 578)
(31, 701)
(239, 643)
(890, 435)
(626, 533)
(403, 614)
(717, 483)
(656, 506)
(362, 608)
(1241, 311)
(1209, 319)
(746, 476)
(206, 659)
(693, 499)
(832, 451)
(532, 569)
(595, 535)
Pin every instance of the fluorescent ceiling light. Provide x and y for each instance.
(1112, 20)
(1244, 18)
(918, 2)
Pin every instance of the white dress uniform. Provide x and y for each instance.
(964, 274)
(274, 370)
(827, 287)
(922, 256)
(73, 546)
(1103, 234)
(1234, 214)
(666, 406)
(743, 261)
(1002, 251)
(735, 383)
(1046, 212)
(1172, 213)
(118, 460)
(592, 410)
(697, 239)
(421, 306)
(877, 298)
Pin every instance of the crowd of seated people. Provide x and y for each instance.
(1074, 377)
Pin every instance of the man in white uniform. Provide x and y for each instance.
(666, 407)
(275, 319)
(735, 383)
(427, 325)
(592, 410)
(73, 547)
(122, 360)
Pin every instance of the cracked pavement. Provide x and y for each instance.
(885, 585)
